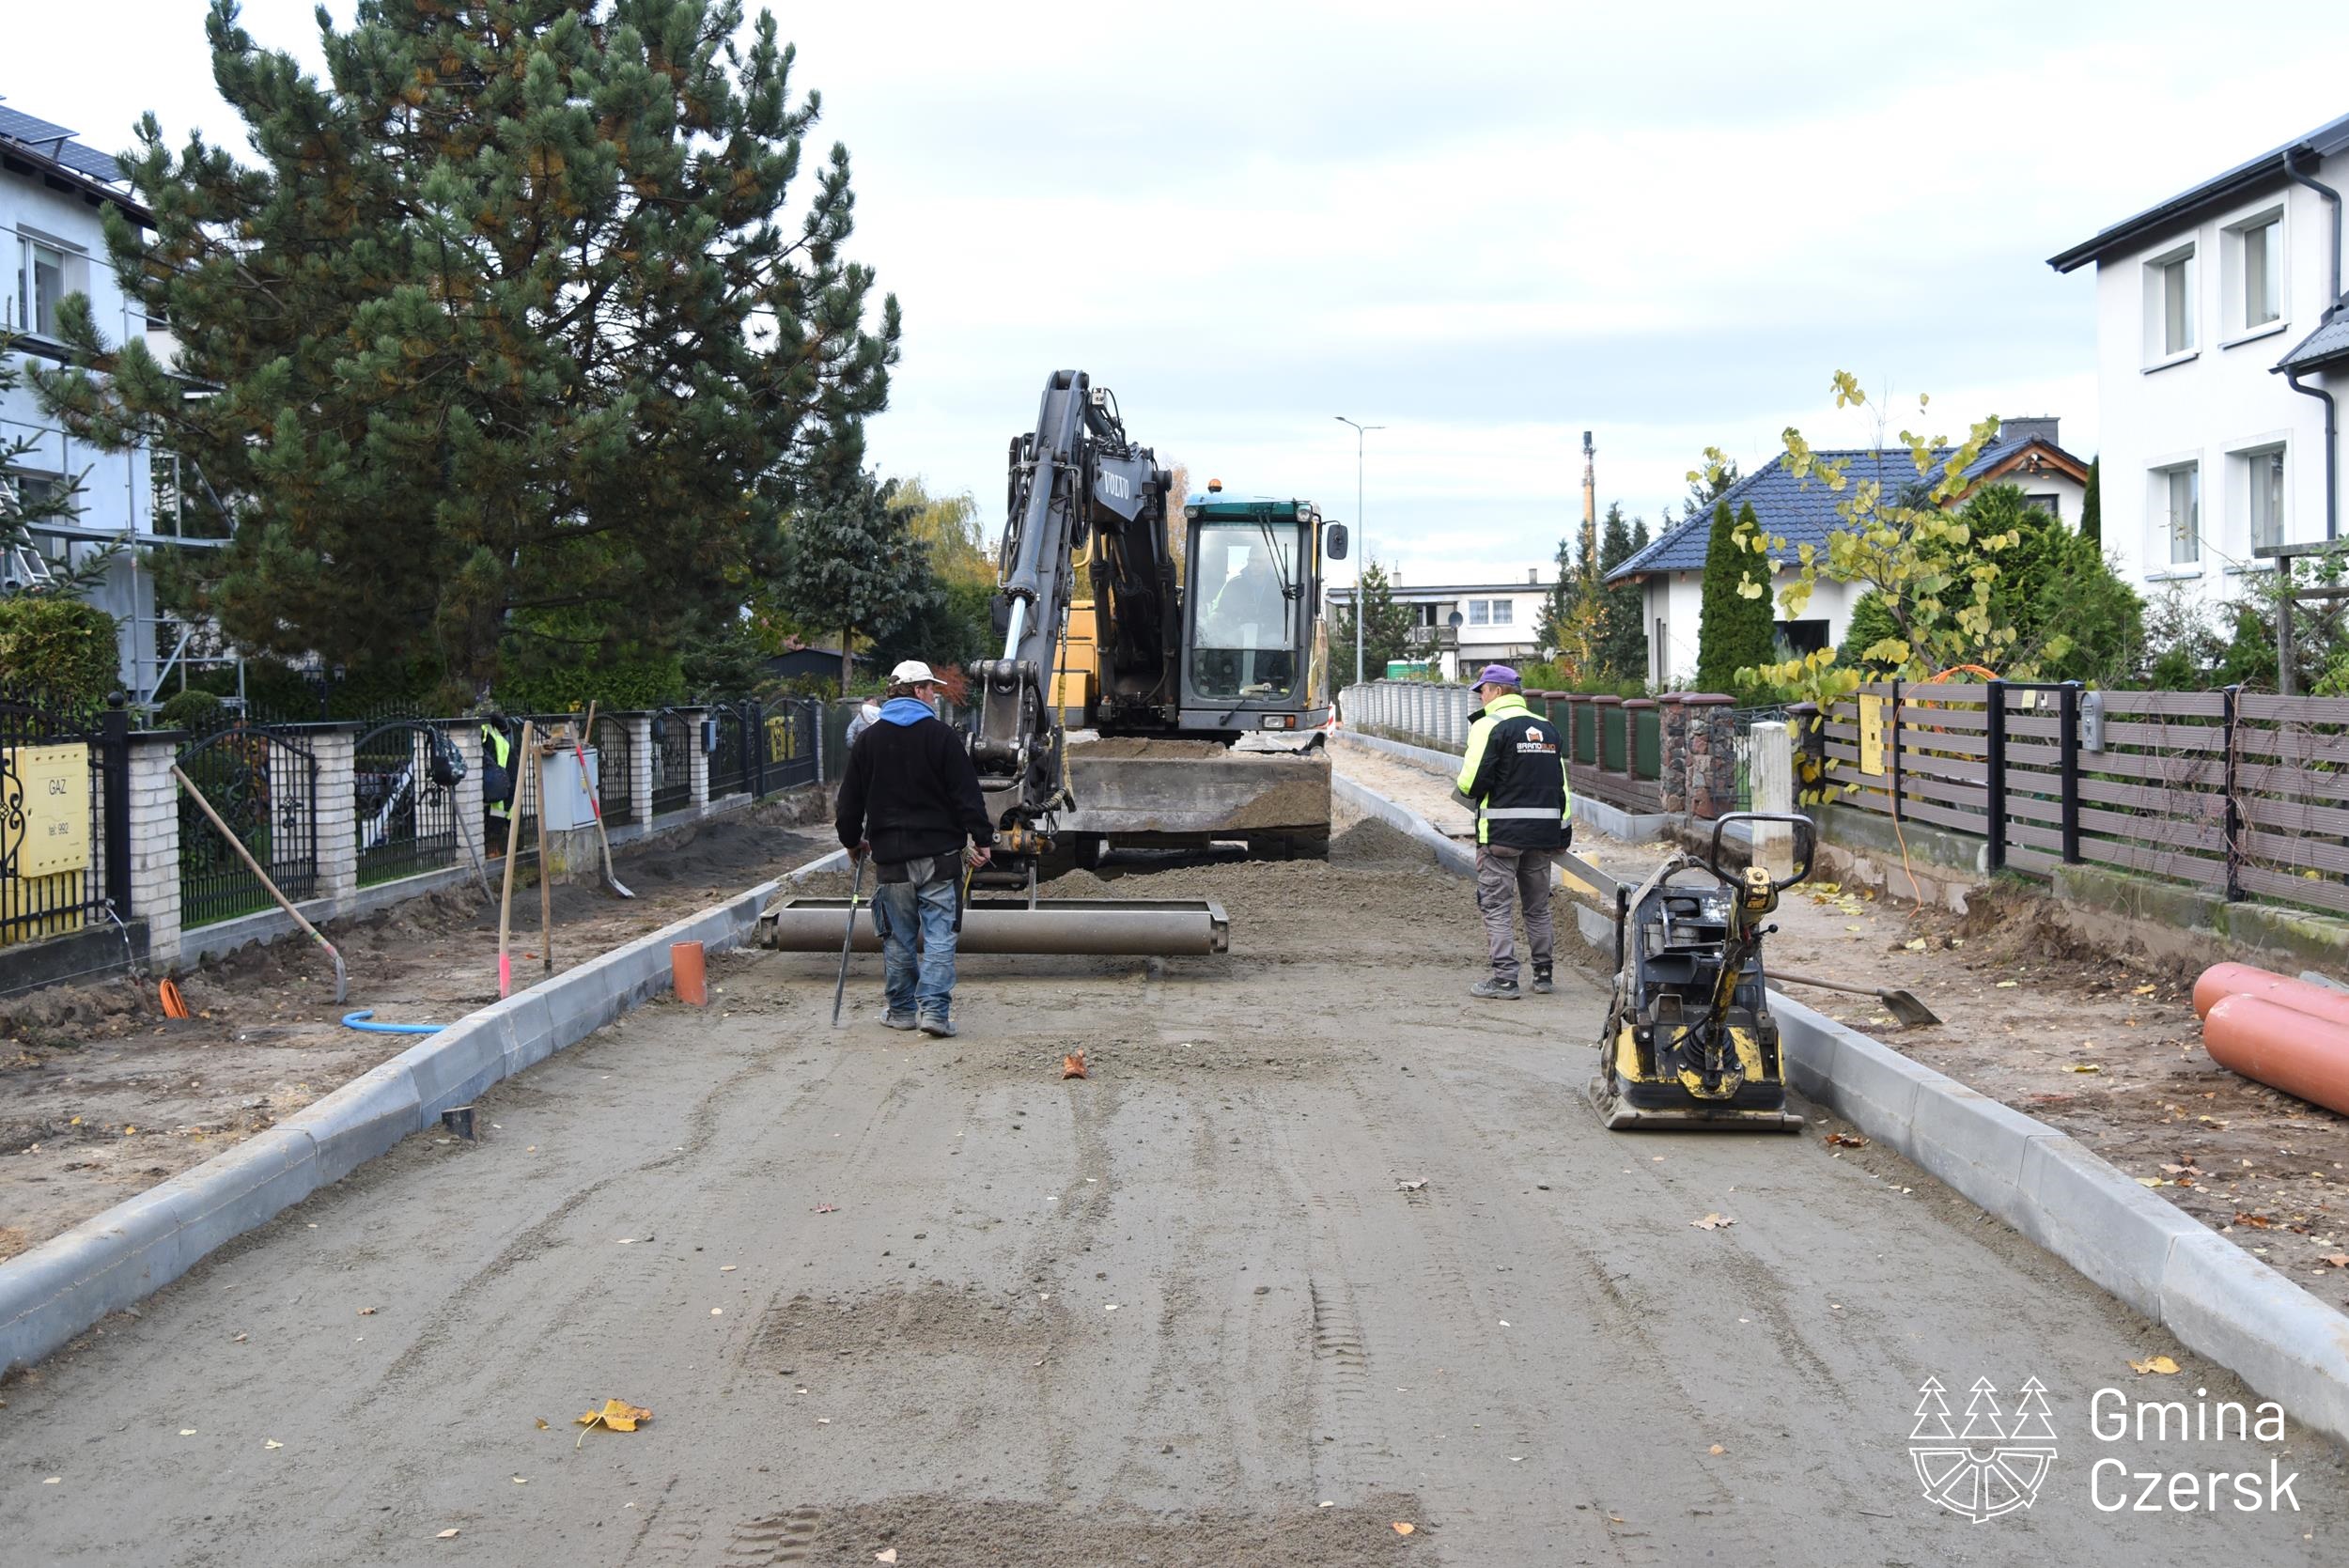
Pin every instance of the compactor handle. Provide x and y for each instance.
(1806, 843)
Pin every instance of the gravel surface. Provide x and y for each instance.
(102, 1096)
(2100, 1043)
(1320, 1247)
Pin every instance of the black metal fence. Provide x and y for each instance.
(673, 736)
(264, 784)
(405, 779)
(1744, 719)
(65, 825)
(787, 747)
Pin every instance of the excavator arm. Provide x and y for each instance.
(1076, 475)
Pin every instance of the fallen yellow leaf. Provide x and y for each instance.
(1403, 1528)
(1916, 946)
(445, 1535)
(542, 1424)
(1717, 1448)
(2085, 1067)
(618, 1415)
(2143, 991)
(272, 1443)
(1713, 1222)
(2007, 985)
(2160, 1365)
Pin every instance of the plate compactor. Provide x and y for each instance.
(1689, 1041)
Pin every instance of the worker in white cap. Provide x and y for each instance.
(910, 800)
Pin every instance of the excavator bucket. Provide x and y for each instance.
(1107, 928)
(1150, 792)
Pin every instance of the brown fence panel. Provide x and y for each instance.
(2286, 888)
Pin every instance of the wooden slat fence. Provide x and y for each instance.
(2240, 793)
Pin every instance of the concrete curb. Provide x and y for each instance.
(1615, 822)
(836, 860)
(60, 1288)
(2216, 1298)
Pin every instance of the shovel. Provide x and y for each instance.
(1903, 1005)
(848, 938)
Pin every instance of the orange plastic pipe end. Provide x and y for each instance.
(686, 960)
(2222, 981)
(2278, 1046)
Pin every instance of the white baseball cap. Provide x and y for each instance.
(911, 673)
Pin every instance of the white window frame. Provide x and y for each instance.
(1479, 612)
(2246, 465)
(1504, 611)
(2049, 502)
(2159, 354)
(2161, 557)
(2235, 278)
(22, 310)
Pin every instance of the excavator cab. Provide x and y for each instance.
(1255, 656)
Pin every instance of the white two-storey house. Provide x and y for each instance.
(2222, 351)
(51, 245)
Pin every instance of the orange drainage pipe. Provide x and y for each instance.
(2222, 981)
(687, 961)
(2288, 1050)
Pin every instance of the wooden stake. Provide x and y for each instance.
(505, 902)
(342, 976)
(546, 883)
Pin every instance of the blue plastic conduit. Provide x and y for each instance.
(358, 1020)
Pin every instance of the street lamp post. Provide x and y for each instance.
(1360, 555)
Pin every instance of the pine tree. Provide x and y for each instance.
(1386, 626)
(1553, 628)
(1736, 630)
(513, 327)
(852, 561)
(2092, 508)
(1622, 643)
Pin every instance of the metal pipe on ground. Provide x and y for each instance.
(1097, 928)
(2271, 1044)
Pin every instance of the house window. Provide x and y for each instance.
(2169, 305)
(1662, 655)
(1803, 637)
(2177, 494)
(42, 282)
(2263, 272)
(2051, 504)
(1503, 609)
(2263, 497)
(1479, 612)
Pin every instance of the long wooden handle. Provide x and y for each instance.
(506, 901)
(342, 982)
(546, 882)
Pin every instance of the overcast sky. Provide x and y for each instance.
(1485, 227)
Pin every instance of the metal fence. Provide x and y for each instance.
(264, 784)
(788, 732)
(2237, 792)
(730, 735)
(405, 776)
(674, 738)
(64, 820)
(1744, 719)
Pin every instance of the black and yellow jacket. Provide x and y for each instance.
(1515, 774)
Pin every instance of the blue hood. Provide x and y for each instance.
(905, 710)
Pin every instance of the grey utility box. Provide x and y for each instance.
(571, 790)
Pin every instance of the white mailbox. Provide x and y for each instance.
(571, 790)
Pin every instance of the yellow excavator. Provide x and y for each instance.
(1142, 698)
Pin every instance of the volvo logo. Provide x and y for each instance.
(1114, 484)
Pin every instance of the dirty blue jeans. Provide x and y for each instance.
(903, 913)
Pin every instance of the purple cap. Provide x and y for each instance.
(1498, 674)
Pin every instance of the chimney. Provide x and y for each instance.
(2039, 428)
(1533, 576)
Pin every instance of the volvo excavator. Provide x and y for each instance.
(1144, 696)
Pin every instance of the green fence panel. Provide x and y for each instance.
(1613, 751)
(1586, 734)
(1647, 742)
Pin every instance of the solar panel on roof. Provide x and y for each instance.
(20, 126)
(53, 141)
(89, 160)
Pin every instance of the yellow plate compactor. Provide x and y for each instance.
(1689, 1041)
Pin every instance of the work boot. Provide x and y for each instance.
(937, 1023)
(897, 1020)
(1541, 980)
(1496, 989)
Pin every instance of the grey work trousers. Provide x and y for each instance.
(1507, 876)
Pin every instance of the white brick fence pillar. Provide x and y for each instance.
(465, 799)
(640, 767)
(697, 765)
(1770, 763)
(336, 806)
(154, 801)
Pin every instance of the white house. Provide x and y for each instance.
(2222, 348)
(1670, 569)
(1497, 620)
(51, 245)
